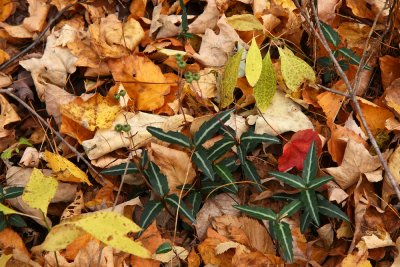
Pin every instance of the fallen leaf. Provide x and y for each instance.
(7, 115)
(65, 170)
(325, 10)
(175, 254)
(394, 164)
(244, 22)
(389, 69)
(193, 259)
(206, 20)
(9, 239)
(207, 250)
(229, 79)
(330, 104)
(356, 161)
(375, 115)
(265, 88)
(151, 239)
(7, 8)
(105, 141)
(254, 63)
(283, 115)
(378, 239)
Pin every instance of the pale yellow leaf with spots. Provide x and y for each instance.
(265, 88)
(253, 63)
(229, 79)
(295, 71)
(39, 190)
(65, 170)
(109, 227)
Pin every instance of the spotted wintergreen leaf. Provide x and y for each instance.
(352, 57)
(157, 180)
(120, 169)
(251, 174)
(305, 221)
(241, 152)
(284, 237)
(265, 88)
(170, 136)
(328, 209)
(290, 208)
(229, 79)
(173, 200)
(150, 212)
(210, 127)
(194, 199)
(286, 197)
(230, 163)
(290, 179)
(249, 140)
(144, 160)
(253, 63)
(330, 34)
(295, 70)
(12, 192)
(309, 200)
(164, 248)
(257, 212)
(318, 182)
(220, 148)
(310, 164)
(200, 158)
(3, 222)
(16, 220)
(226, 176)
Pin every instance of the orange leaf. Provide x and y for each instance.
(150, 239)
(10, 239)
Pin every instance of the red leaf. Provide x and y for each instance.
(295, 151)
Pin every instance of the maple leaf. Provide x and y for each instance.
(295, 151)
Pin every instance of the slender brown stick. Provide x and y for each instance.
(39, 37)
(352, 95)
(73, 149)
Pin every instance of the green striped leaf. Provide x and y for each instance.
(194, 199)
(290, 179)
(330, 34)
(286, 197)
(228, 132)
(250, 172)
(208, 186)
(120, 169)
(250, 140)
(211, 127)
(290, 209)
(257, 212)
(157, 180)
(284, 237)
(230, 163)
(310, 202)
(352, 57)
(305, 221)
(226, 176)
(3, 222)
(16, 220)
(150, 212)
(241, 152)
(170, 136)
(200, 158)
(220, 148)
(12, 192)
(310, 164)
(164, 248)
(328, 209)
(318, 182)
(173, 200)
(145, 159)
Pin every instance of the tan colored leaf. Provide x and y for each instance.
(244, 22)
(378, 239)
(7, 114)
(206, 20)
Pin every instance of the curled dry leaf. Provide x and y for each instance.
(7, 115)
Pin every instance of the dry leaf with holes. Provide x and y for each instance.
(7, 116)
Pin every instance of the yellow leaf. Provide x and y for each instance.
(97, 112)
(294, 70)
(253, 63)
(64, 169)
(109, 227)
(229, 79)
(244, 22)
(39, 190)
(6, 210)
(355, 261)
(265, 88)
(4, 259)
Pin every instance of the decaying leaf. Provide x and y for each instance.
(265, 88)
(229, 79)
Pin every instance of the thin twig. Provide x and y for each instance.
(334, 91)
(73, 149)
(39, 37)
(353, 97)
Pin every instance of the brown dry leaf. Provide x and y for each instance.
(176, 165)
(30, 158)
(215, 48)
(378, 239)
(206, 20)
(390, 70)
(60, 4)
(103, 199)
(344, 231)
(5, 80)
(55, 97)
(356, 161)
(207, 250)
(106, 141)
(7, 115)
(327, 10)
(392, 97)
(355, 261)
(79, 243)
(375, 115)
(394, 164)
(150, 239)
(246, 231)
(75, 207)
(35, 22)
(7, 8)
(9, 239)
(366, 9)
(138, 8)
(355, 34)
(65, 170)
(193, 259)
(3, 56)
(215, 207)
(97, 112)
(53, 67)
(330, 104)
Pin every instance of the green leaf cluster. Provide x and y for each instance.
(10, 219)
